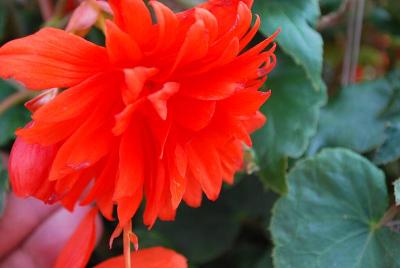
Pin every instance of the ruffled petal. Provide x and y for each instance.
(193, 192)
(167, 26)
(159, 99)
(154, 190)
(75, 101)
(195, 45)
(29, 166)
(122, 49)
(245, 102)
(177, 167)
(231, 156)
(133, 17)
(84, 148)
(205, 165)
(51, 58)
(77, 251)
(200, 115)
(132, 161)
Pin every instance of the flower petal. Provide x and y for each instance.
(195, 45)
(133, 17)
(245, 102)
(121, 48)
(154, 191)
(157, 257)
(34, 104)
(51, 58)
(200, 115)
(77, 251)
(205, 166)
(177, 165)
(167, 26)
(29, 166)
(193, 194)
(231, 156)
(132, 161)
(159, 99)
(84, 148)
(75, 101)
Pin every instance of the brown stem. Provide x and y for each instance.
(354, 29)
(14, 99)
(389, 215)
(60, 8)
(333, 18)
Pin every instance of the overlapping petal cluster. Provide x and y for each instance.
(160, 113)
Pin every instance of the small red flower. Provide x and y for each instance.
(160, 113)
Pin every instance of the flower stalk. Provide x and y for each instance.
(127, 244)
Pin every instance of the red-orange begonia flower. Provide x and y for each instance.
(160, 113)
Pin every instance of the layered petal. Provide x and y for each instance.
(134, 18)
(122, 49)
(51, 58)
(79, 247)
(29, 167)
(205, 165)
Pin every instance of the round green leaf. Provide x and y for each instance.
(330, 216)
(292, 115)
(297, 38)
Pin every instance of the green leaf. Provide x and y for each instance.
(389, 151)
(330, 216)
(352, 119)
(396, 185)
(297, 38)
(13, 118)
(292, 116)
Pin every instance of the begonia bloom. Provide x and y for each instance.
(159, 114)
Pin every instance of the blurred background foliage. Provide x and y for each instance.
(336, 207)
